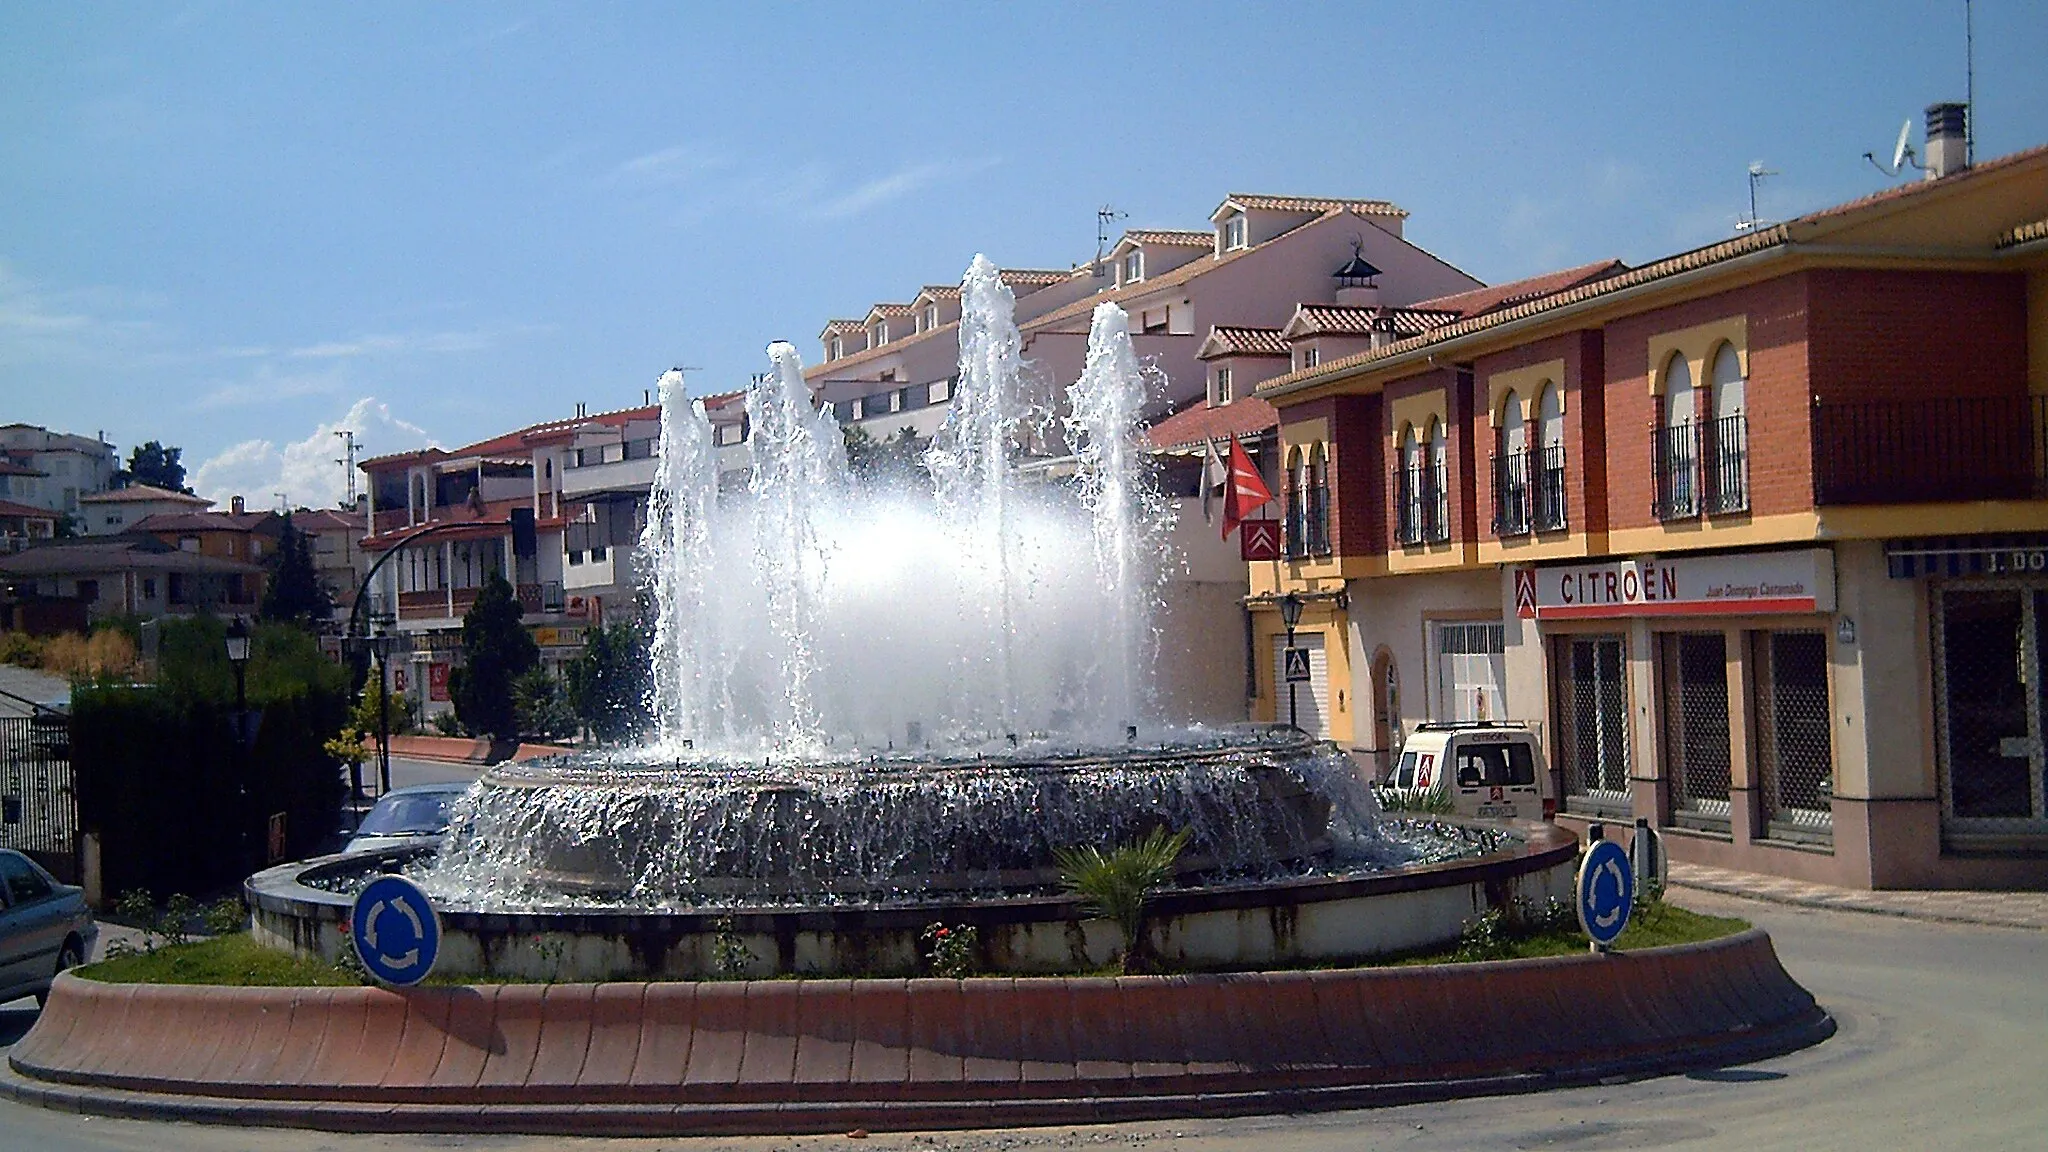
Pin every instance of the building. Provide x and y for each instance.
(20, 524)
(132, 575)
(116, 510)
(1754, 533)
(338, 557)
(237, 534)
(61, 469)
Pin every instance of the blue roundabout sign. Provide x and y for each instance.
(1607, 891)
(397, 932)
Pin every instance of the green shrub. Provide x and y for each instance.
(952, 951)
(21, 650)
(1114, 884)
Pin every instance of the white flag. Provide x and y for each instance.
(1215, 474)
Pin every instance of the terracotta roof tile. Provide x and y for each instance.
(10, 508)
(1199, 422)
(137, 493)
(2025, 234)
(10, 468)
(940, 291)
(1356, 320)
(1085, 306)
(1237, 340)
(1259, 202)
(1178, 237)
(321, 519)
(832, 326)
(892, 310)
(1480, 300)
(1038, 276)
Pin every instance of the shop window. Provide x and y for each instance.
(1990, 703)
(1794, 748)
(1589, 674)
(1692, 678)
(1675, 446)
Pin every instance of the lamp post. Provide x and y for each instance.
(1290, 615)
(382, 644)
(238, 659)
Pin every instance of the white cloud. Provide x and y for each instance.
(304, 471)
(403, 344)
(698, 182)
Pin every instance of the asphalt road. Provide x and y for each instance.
(1943, 1042)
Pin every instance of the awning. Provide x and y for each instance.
(2005, 555)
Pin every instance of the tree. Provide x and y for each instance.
(608, 682)
(295, 593)
(496, 650)
(539, 707)
(894, 460)
(157, 466)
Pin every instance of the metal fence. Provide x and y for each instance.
(1935, 448)
(1794, 751)
(1692, 669)
(38, 804)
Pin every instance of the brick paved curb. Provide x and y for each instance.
(1992, 909)
(796, 1056)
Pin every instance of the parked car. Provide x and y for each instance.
(45, 927)
(1475, 768)
(407, 816)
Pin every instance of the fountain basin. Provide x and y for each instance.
(303, 908)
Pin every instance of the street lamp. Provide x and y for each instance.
(382, 644)
(1290, 615)
(238, 659)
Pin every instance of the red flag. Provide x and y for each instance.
(1245, 492)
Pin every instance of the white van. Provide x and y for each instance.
(1480, 768)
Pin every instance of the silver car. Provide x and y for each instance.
(45, 927)
(406, 817)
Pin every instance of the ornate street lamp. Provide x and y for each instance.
(1290, 615)
(238, 659)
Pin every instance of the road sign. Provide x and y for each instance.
(1297, 666)
(397, 932)
(1259, 540)
(1607, 890)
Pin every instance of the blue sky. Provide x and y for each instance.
(236, 227)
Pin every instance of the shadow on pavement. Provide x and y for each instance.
(16, 1018)
(1735, 1075)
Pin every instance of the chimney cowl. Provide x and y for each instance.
(236, 506)
(1948, 139)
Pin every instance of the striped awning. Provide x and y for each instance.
(2004, 555)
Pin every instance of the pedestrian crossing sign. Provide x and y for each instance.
(1297, 666)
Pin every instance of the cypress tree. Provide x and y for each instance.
(496, 650)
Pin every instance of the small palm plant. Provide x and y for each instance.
(1114, 884)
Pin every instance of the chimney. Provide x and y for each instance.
(1948, 139)
(235, 505)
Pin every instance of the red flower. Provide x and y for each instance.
(941, 933)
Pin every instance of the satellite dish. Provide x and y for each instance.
(1902, 149)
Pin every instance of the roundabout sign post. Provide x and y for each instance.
(396, 931)
(1606, 892)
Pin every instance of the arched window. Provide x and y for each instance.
(1438, 503)
(1728, 461)
(1677, 444)
(1549, 459)
(1408, 482)
(1511, 471)
(1317, 510)
(1292, 479)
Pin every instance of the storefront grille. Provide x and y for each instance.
(1692, 671)
(1795, 756)
(1989, 703)
(1592, 723)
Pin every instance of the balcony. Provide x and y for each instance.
(436, 604)
(1551, 511)
(1513, 495)
(1675, 462)
(491, 513)
(1422, 505)
(1307, 530)
(1931, 450)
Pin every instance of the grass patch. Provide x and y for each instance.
(233, 959)
(236, 959)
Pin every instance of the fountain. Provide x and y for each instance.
(890, 704)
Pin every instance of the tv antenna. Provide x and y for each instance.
(348, 464)
(1902, 152)
(1105, 216)
(1757, 173)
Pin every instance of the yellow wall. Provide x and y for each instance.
(1317, 617)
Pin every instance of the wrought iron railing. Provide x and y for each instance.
(1675, 463)
(1293, 534)
(1551, 513)
(1513, 494)
(1437, 503)
(1408, 487)
(1727, 460)
(1316, 520)
(1928, 449)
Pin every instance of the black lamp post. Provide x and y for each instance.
(1290, 615)
(238, 659)
(382, 644)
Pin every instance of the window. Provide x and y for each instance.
(1727, 447)
(1308, 503)
(25, 883)
(842, 411)
(901, 401)
(1438, 507)
(1549, 462)
(188, 543)
(1222, 395)
(832, 350)
(941, 391)
(1410, 489)
(1310, 356)
(1134, 266)
(1471, 669)
(879, 335)
(149, 587)
(1233, 232)
(1495, 766)
(1511, 471)
(89, 591)
(931, 316)
(1675, 445)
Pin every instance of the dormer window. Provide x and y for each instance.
(1310, 356)
(931, 317)
(879, 335)
(1233, 233)
(835, 350)
(1222, 386)
(1134, 266)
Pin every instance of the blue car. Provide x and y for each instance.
(45, 927)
